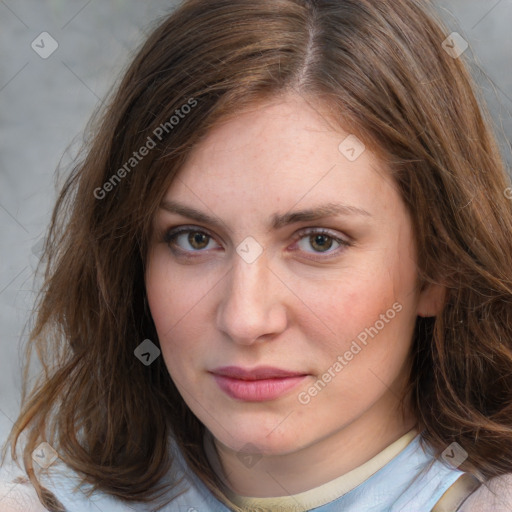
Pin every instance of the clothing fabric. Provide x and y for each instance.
(404, 477)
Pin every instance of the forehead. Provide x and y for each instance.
(281, 153)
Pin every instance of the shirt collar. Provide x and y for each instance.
(319, 495)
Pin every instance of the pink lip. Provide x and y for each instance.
(257, 385)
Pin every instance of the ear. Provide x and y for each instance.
(431, 300)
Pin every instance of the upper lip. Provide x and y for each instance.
(258, 373)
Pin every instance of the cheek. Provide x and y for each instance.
(343, 308)
(176, 314)
(383, 305)
(372, 301)
(160, 300)
(166, 308)
(173, 292)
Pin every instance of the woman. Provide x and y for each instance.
(282, 272)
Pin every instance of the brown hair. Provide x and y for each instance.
(380, 69)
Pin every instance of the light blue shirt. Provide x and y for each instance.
(412, 481)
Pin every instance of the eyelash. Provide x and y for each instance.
(171, 235)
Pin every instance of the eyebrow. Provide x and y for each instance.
(277, 221)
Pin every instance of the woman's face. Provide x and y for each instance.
(269, 274)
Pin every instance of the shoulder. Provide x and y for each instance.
(19, 496)
(492, 496)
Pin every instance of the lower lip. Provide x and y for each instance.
(257, 390)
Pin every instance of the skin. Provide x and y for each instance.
(298, 306)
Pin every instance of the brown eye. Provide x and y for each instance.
(198, 240)
(318, 242)
(189, 240)
(321, 242)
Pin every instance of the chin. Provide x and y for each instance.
(258, 440)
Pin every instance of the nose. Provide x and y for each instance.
(252, 307)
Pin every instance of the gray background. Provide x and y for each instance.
(45, 104)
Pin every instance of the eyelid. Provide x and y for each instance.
(322, 231)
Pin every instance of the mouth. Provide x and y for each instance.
(260, 384)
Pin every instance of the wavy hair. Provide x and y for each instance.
(381, 69)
